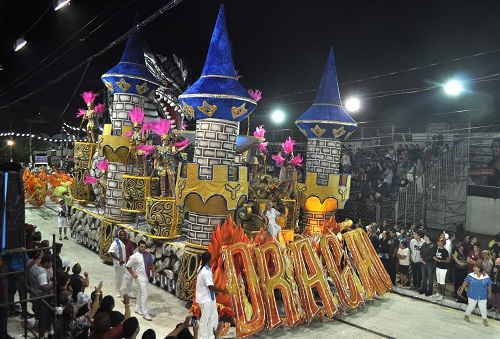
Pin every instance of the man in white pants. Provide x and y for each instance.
(120, 253)
(139, 266)
(205, 297)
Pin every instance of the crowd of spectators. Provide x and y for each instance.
(379, 173)
(412, 257)
(78, 314)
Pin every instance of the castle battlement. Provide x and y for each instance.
(338, 187)
(189, 180)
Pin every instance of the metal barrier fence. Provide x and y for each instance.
(483, 191)
(366, 212)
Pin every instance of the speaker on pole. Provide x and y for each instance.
(12, 214)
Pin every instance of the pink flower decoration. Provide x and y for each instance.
(89, 97)
(263, 146)
(81, 113)
(103, 165)
(147, 148)
(297, 160)
(100, 108)
(256, 95)
(87, 179)
(129, 134)
(184, 126)
(279, 159)
(182, 143)
(259, 132)
(288, 145)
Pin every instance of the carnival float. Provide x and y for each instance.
(185, 192)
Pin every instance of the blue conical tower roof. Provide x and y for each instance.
(326, 118)
(131, 75)
(217, 93)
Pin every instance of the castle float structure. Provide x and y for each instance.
(213, 188)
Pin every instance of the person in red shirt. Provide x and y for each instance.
(475, 257)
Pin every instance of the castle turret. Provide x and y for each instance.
(325, 124)
(212, 188)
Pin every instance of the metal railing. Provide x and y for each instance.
(431, 188)
(483, 191)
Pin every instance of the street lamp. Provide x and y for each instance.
(278, 116)
(352, 104)
(453, 87)
(10, 143)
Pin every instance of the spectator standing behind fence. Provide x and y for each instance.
(404, 261)
(416, 266)
(442, 259)
(474, 257)
(346, 162)
(419, 175)
(427, 253)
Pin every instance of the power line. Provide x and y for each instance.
(10, 89)
(103, 51)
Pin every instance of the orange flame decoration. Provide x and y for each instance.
(224, 235)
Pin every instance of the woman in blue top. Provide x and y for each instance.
(478, 286)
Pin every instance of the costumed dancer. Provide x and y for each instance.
(287, 165)
(90, 114)
(272, 214)
(138, 139)
(164, 156)
(257, 153)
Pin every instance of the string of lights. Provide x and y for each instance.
(70, 131)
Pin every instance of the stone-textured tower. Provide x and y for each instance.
(325, 124)
(130, 82)
(212, 187)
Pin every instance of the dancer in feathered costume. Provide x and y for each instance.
(164, 155)
(90, 114)
(138, 138)
(287, 164)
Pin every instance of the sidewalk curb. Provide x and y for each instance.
(445, 302)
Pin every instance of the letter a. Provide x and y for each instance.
(309, 275)
(371, 271)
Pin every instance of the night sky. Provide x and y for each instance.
(279, 47)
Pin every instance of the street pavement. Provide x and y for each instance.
(393, 315)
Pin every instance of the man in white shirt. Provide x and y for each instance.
(272, 227)
(205, 297)
(62, 214)
(118, 251)
(41, 285)
(139, 266)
